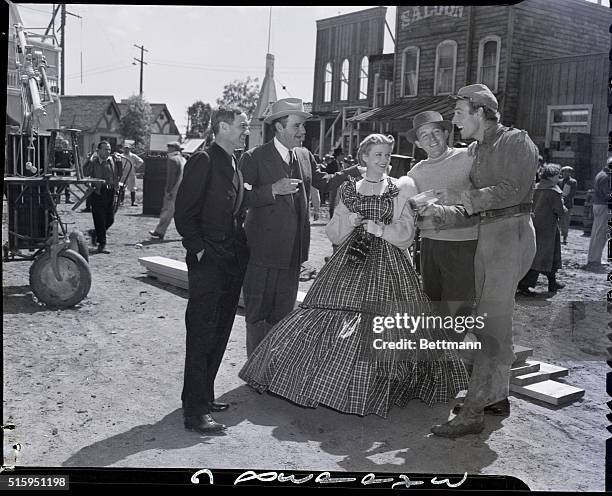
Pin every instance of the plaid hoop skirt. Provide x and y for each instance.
(323, 352)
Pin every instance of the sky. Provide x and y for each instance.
(193, 51)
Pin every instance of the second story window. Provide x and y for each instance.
(363, 79)
(446, 62)
(344, 80)
(327, 90)
(488, 61)
(410, 71)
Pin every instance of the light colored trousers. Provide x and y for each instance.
(167, 213)
(564, 222)
(599, 233)
(505, 251)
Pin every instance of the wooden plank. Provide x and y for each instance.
(553, 370)
(175, 272)
(526, 379)
(552, 392)
(525, 368)
(521, 353)
(169, 280)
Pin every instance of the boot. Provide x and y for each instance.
(553, 285)
(133, 198)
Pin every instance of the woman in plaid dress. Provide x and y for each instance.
(323, 352)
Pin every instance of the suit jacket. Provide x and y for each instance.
(209, 208)
(273, 224)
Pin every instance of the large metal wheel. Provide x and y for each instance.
(73, 286)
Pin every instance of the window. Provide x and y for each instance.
(363, 79)
(344, 80)
(410, 71)
(327, 90)
(488, 61)
(566, 120)
(446, 61)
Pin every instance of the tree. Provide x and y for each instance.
(198, 118)
(136, 122)
(241, 94)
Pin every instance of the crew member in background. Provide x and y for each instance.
(568, 186)
(102, 166)
(131, 162)
(174, 174)
(599, 231)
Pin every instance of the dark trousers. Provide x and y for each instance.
(269, 295)
(214, 290)
(102, 212)
(447, 269)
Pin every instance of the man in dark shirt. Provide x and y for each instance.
(101, 165)
(209, 214)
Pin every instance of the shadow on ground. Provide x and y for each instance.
(364, 444)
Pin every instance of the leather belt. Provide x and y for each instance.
(523, 208)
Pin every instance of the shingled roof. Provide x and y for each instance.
(84, 111)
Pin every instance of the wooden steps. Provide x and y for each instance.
(534, 379)
(549, 391)
(174, 272)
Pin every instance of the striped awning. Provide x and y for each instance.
(407, 109)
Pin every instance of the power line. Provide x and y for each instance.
(92, 73)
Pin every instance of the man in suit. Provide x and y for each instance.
(278, 176)
(209, 215)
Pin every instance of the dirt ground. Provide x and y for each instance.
(99, 385)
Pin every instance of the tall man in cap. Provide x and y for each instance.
(505, 162)
(447, 255)
(174, 174)
(209, 215)
(278, 176)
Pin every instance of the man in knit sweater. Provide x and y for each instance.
(447, 255)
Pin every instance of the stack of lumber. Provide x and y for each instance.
(536, 379)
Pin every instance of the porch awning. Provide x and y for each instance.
(407, 109)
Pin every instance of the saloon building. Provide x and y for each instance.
(546, 61)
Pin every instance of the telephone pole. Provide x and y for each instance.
(141, 62)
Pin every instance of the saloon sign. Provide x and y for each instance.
(414, 14)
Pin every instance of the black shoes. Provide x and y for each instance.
(203, 424)
(499, 409)
(102, 249)
(554, 286)
(155, 234)
(217, 406)
(526, 292)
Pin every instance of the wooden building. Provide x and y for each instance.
(544, 60)
(96, 116)
(162, 121)
(342, 83)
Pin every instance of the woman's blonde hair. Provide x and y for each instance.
(370, 141)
